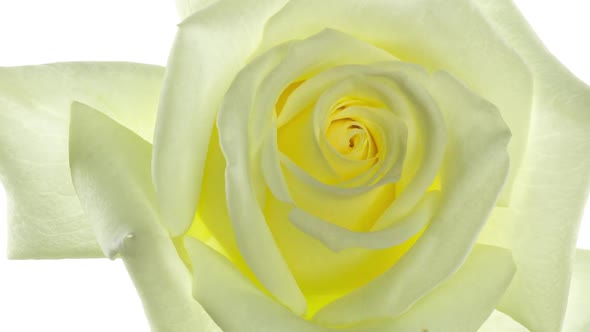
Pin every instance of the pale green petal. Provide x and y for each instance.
(499, 228)
(500, 322)
(473, 172)
(211, 46)
(432, 33)
(252, 234)
(110, 168)
(338, 238)
(233, 301)
(577, 316)
(553, 184)
(110, 171)
(45, 219)
(462, 303)
(188, 7)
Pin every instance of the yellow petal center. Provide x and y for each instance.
(351, 139)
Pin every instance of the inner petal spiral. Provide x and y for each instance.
(350, 138)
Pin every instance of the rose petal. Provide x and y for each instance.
(211, 46)
(45, 218)
(464, 301)
(498, 321)
(552, 187)
(338, 238)
(187, 7)
(217, 282)
(252, 234)
(111, 173)
(576, 316)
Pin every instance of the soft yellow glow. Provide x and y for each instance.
(323, 275)
(212, 224)
(351, 139)
(350, 136)
(285, 95)
(317, 299)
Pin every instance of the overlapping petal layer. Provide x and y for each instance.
(45, 218)
(201, 67)
(111, 173)
(472, 174)
(249, 131)
(217, 283)
(551, 191)
(244, 132)
(253, 237)
(426, 32)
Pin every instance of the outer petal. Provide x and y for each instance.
(252, 233)
(576, 316)
(45, 218)
(210, 48)
(233, 301)
(187, 7)
(110, 168)
(463, 302)
(460, 304)
(339, 238)
(551, 189)
(501, 322)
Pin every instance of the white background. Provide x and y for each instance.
(97, 295)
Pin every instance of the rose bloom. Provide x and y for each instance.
(305, 165)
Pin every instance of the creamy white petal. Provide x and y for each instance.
(211, 46)
(461, 303)
(466, 299)
(233, 301)
(553, 183)
(338, 238)
(254, 239)
(45, 218)
(576, 316)
(111, 172)
(499, 321)
(187, 7)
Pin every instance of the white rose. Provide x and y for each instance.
(317, 166)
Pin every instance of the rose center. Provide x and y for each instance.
(349, 136)
(351, 139)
